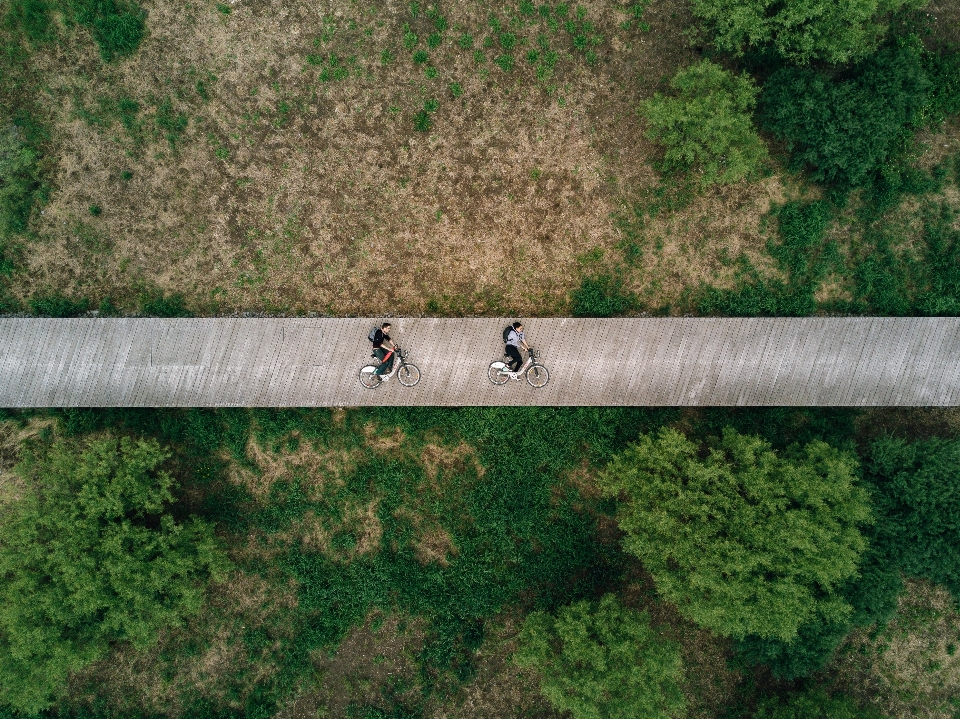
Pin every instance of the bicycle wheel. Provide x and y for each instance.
(367, 378)
(537, 375)
(408, 375)
(496, 373)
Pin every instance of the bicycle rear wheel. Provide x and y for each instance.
(496, 373)
(408, 375)
(537, 375)
(367, 378)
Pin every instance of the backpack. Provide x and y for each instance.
(506, 333)
(373, 334)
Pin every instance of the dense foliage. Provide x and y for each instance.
(800, 30)
(706, 127)
(917, 499)
(844, 125)
(744, 541)
(814, 704)
(603, 661)
(92, 555)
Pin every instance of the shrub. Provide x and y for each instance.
(917, 500)
(844, 127)
(601, 296)
(814, 703)
(91, 555)
(602, 660)
(20, 181)
(160, 306)
(743, 540)
(800, 30)
(706, 128)
(57, 305)
(921, 280)
(943, 70)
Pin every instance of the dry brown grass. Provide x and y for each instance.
(135, 681)
(342, 206)
(912, 668)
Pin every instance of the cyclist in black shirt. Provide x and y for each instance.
(384, 349)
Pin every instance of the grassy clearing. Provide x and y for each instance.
(268, 158)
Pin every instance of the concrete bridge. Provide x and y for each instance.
(315, 362)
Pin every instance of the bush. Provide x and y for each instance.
(814, 704)
(91, 555)
(742, 540)
(602, 660)
(707, 127)
(917, 501)
(58, 306)
(921, 280)
(800, 30)
(20, 181)
(601, 296)
(161, 306)
(943, 70)
(845, 127)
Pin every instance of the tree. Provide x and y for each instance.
(917, 502)
(707, 127)
(743, 541)
(603, 661)
(845, 126)
(814, 704)
(800, 30)
(91, 555)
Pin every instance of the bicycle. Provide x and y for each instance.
(537, 375)
(408, 374)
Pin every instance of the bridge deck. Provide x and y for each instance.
(314, 362)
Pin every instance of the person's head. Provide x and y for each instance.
(385, 326)
(518, 326)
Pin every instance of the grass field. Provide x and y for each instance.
(371, 158)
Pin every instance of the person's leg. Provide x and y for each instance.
(389, 363)
(515, 359)
(380, 353)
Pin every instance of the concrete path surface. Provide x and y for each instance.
(315, 362)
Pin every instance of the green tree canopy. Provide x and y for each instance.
(603, 661)
(91, 555)
(845, 126)
(917, 502)
(800, 30)
(742, 540)
(707, 128)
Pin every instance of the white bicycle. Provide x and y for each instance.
(408, 374)
(537, 375)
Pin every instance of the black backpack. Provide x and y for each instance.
(506, 333)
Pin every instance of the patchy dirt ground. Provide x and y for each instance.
(272, 163)
(912, 667)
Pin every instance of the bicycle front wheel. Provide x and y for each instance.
(496, 373)
(537, 375)
(367, 378)
(408, 375)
